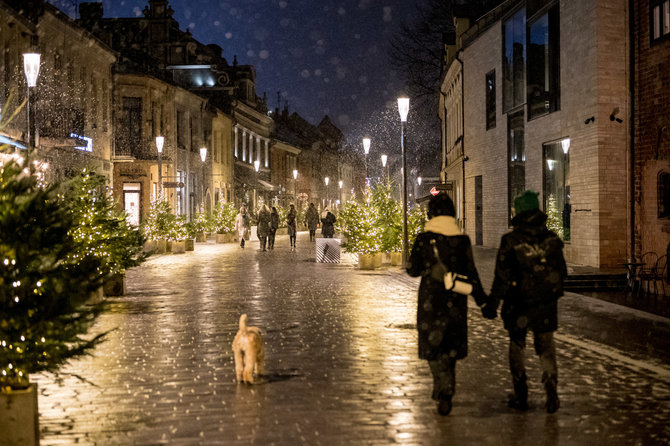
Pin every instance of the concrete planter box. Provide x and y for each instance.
(386, 258)
(377, 259)
(228, 237)
(396, 258)
(156, 246)
(201, 237)
(190, 244)
(96, 296)
(178, 247)
(18, 417)
(366, 261)
(115, 285)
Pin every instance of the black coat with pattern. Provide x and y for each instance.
(529, 275)
(442, 316)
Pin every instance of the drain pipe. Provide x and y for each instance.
(631, 62)
(458, 53)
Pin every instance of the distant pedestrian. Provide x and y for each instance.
(274, 225)
(263, 227)
(327, 223)
(242, 224)
(291, 224)
(529, 275)
(442, 314)
(312, 220)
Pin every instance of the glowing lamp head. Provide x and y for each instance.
(384, 158)
(160, 140)
(340, 183)
(366, 145)
(257, 165)
(203, 153)
(295, 174)
(403, 108)
(327, 180)
(418, 180)
(565, 144)
(31, 67)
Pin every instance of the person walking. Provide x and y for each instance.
(312, 220)
(529, 275)
(291, 223)
(274, 225)
(442, 314)
(327, 223)
(263, 227)
(242, 224)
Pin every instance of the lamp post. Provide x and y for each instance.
(403, 110)
(384, 159)
(31, 68)
(565, 145)
(295, 185)
(160, 140)
(340, 183)
(203, 157)
(326, 180)
(366, 150)
(257, 166)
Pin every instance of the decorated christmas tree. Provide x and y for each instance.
(358, 222)
(389, 218)
(46, 277)
(160, 220)
(223, 219)
(554, 217)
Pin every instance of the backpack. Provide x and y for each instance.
(541, 270)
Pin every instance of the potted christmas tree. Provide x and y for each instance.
(224, 222)
(202, 224)
(357, 222)
(158, 225)
(45, 280)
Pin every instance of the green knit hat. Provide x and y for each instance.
(526, 201)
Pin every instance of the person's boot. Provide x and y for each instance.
(519, 400)
(553, 403)
(444, 405)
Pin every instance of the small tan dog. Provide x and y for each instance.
(249, 352)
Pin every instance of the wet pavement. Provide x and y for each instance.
(342, 366)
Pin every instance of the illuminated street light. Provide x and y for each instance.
(403, 110)
(366, 150)
(418, 180)
(31, 68)
(295, 185)
(203, 157)
(384, 159)
(257, 165)
(160, 140)
(326, 180)
(340, 183)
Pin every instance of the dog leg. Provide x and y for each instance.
(260, 362)
(239, 364)
(249, 363)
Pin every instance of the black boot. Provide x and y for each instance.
(444, 405)
(519, 400)
(553, 402)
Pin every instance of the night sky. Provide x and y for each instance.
(325, 57)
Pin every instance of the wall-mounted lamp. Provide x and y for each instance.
(613, 115)
(589, 120)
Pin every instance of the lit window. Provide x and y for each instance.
(660, 19)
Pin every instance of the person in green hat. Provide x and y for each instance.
(529, 274)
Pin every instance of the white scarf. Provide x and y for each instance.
(443, 224)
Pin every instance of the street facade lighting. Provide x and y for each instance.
(384, 159)
(160, 140)
(340, 183)
(403, 110)
(203, 157)
(366, 150)
(326, 180)
(31, 68)
(257, 165)
(295, 185)
(418, 180)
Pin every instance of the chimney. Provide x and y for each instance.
(90, 12)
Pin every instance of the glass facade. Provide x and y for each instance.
(490, 100)
(514, 60)
(556, 196)
(543, 64)
(516, 158)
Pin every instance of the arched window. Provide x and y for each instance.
(663, 195)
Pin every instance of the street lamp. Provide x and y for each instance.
(295, 185)
(160, 140)
(565, 145)
(31, 68)
(403, 110)
(326, 180)
(384, 158)
(203, 157)
(418, 180)
(366, 150)
(340, 183)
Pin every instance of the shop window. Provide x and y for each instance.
(556, 190)
(663, 195)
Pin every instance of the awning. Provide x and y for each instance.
(4, 140)
(266, 185)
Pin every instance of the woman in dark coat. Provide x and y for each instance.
(327, 223)
(263, 228)
(442, 315)
(312, 220)
(274, 225)
(291, 224)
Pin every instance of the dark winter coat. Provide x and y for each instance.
(274, 221)
(529, 274)
(263, 228)
(312, 218)
(442, 315)
(291, 223)
(328, 225)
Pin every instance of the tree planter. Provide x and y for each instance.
(190, 244)
(377, 259)
(18, 417)
(96, 296)
(366, 261)
(201, 237)
(396, 258)
(178, 247)
(386, 258)
(227, 237)
(156, 246)
(115, 285)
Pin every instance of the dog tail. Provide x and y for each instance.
(243, 322)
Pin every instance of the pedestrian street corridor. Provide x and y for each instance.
(341, 363)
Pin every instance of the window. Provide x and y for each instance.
(556, 196)
(181, 134)
(663, 195)
(516, 158)
(514, 60)
(660, 19)
(129, 137)
(491, 100)
(543, 64)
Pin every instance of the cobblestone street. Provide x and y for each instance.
(342, 366)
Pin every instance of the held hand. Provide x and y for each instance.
(489, 311)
